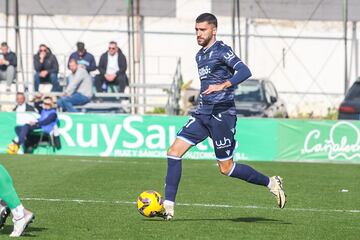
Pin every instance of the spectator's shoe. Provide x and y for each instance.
(21, 224)
(4, 213)
(278, 191)
(168, 211)
(13, 148)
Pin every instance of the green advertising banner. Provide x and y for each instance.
(140, 136)
(150, 136)
(319, 140)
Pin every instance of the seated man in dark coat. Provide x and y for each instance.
(8, 63)
(83, 57)
(47, 121)
(112, 68)
(47, 68)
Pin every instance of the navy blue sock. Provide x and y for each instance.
(173, 178)
(248, 174)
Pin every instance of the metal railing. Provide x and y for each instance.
(173, 105)
(164, 96)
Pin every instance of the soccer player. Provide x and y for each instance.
(220, 70)
(11, 203)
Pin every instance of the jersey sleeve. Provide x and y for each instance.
(242, 72)
(229, 57)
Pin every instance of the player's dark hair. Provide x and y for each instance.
(4, 44)
(207, 17)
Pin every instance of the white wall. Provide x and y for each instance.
(307, 60)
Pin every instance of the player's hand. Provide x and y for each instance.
(216, 87)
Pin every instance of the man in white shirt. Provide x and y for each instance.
(112, 68)
(21, 105)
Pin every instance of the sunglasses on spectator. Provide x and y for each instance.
(42, 50)
(112, 48)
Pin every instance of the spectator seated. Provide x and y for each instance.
(46, 123)
(79, 90)
(46, 69)
(8, 63)
(112, 67)
(83, 57)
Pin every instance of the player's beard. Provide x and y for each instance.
(205, 41)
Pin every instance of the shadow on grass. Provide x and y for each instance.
(258, 220)
(28, 232)
(240, 219)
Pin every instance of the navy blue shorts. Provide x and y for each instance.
(221, 128)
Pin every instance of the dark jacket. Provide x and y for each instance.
(87, 59)
(11, 57)
(28, 108)
(121, 62)
(50, 63)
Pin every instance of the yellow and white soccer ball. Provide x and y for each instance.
(12, 148)
(150, 203)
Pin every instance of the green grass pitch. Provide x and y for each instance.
(91, 198)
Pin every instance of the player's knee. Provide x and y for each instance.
(173, 151)
(225, 166)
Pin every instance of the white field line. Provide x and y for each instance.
(194, 205)
(94, 161)
(147, 161)
(97, 161)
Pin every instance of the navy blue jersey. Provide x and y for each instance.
(216, 65)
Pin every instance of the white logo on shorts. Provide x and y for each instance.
(223, 144)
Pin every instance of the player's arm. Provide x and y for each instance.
(217, 87)
(242, 72)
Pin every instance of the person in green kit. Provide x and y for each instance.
(10, 202)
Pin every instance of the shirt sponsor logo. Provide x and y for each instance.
(229, 56)
(204, 71)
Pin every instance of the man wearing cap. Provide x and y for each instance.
(83, 57)
(47, 121)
